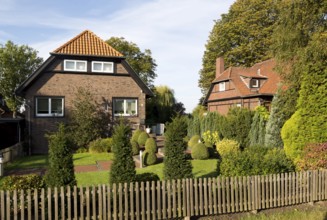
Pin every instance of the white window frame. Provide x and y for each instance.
(124, 113)
(102, 67)
(75, 65)
(49, 114)
(256, 85)
(222, 86)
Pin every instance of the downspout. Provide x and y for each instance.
(29, 128)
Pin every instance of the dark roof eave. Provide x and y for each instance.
(241, 97)
(85, 55)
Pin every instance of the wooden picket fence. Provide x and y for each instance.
(166, 199)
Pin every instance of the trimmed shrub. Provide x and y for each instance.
(200, 152)
(176, 166)
(151, 145)
(314, 157)
(193, 141)
(142, 138)
(22, 182)
(136, 134)
(135, 147)
(210, 138)
(143, 177)
(61, 168)
(100, 145)
(149, 158)
(226, 146)
(123, 166)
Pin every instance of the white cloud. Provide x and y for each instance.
(174, 30)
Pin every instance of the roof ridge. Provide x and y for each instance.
(87, 43)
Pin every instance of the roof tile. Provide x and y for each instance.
(88, 44)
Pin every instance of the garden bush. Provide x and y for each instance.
(210, 138)
(226, 146)
(149, 158)
(22, 182)
(143, 177)
(151, 145)
(193, 141)
(135, 147)
(200, 152)
(314, 157)
(100, 145)
(136, 134)
(142, 138)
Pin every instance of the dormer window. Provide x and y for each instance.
(75, 65)
(254, 83)
(102, 67)
(222, 86)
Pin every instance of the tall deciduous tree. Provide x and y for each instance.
(242, 37)
(16, 64)
(175, 164)
(141, 62)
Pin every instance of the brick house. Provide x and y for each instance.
(84, 61)
(243, 87)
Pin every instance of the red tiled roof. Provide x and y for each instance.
(88, 44)
(263, 70)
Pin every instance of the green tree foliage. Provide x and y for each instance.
(258, 127)
(123, 166)
(237, 124)
(282, 108)
(200, 152)
(16, 64)
(61, 168)
(227, 146)
(242, 37)
(141, 62)
(309, 123)
(176, 166)
(163, 106)
(89, 121)
(101, 145)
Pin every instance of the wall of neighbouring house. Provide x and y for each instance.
(103, 87)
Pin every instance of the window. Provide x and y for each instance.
(254, 83)
(125, 107)
(75, 65)
(103, 67)
(49, 106)
(222, 86)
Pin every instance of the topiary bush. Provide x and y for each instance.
(143, 177)
(149, 158)
(136, 134)
(226, 146)
(151, 145)
(135, 147)
(100, 145)
(193, 141)
(200, 152)
(142, 138)
(22, 182)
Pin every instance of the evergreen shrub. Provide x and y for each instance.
(100, 145)
(142, 138)
(200, 152)
(193, 141)
(149, 158)
(135, 147)
(143, 177)
(151, 145)
(314, 157)
(226, 146)
(136, 134)
(22, 182)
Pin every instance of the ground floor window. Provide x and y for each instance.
(49, 106)
(125, 107)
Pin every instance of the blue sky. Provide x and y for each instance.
(174, 30)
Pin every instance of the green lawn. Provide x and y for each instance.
(36, 161)
(90, 159)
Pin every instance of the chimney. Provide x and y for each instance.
(220, 67)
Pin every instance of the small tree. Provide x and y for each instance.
(123, 166)
(88, 120)
(175, 164)
(258, 127)
(61, 167)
